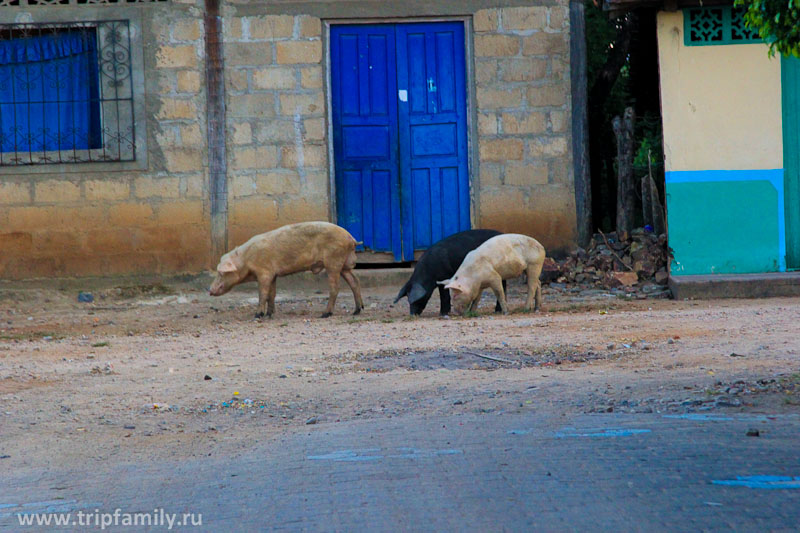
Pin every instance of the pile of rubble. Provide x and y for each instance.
(609, 263)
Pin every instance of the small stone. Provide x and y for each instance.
(753, 433)
(458, 402)
(312, 420)
(282, 376)
(128, 426)
(207, 377)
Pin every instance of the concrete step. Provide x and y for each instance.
(736, 285)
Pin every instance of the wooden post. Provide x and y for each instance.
(626, 194)
(580, 122)
(215, 126)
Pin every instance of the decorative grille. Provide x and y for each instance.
(716, 25)
(66, 93)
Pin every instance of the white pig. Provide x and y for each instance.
(294, 248)
(499, 258)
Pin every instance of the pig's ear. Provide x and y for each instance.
(227, 265)
(417, 293)
(454, 285)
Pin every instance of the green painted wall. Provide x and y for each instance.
(723, 227)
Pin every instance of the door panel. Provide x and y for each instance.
(433, 132)
(365, 135)
(400, 133)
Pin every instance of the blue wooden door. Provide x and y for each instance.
(400, 133)
(433, 132)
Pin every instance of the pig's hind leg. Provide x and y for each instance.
(534, 287)
(355, 286)
(333, 285)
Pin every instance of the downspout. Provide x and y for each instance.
(215, 123)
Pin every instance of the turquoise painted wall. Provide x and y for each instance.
(726, 221)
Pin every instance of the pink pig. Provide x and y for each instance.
(502, 257)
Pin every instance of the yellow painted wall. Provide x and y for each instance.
(721, 105)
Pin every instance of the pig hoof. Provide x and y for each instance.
(260, 315)
(326, 315)
(357, 311)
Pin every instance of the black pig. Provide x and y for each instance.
(440, 262)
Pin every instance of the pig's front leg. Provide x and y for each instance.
(273, 288)
(496, 284)
(444, 299)
(264, 288)
(497, 307)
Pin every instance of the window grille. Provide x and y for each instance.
(716, 25)
(66, 93)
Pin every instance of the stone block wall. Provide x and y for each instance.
(523, 100)
(277, 137)
(115, 218)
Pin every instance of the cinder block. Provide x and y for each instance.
(487, 123)
(310, 26)
(311, 77)
(490, 175)
(275, 131)
(181, 56)
(248, 54)
(547, 146)
(235, 80)
(242, 133)
(494, 45)
(491, 98)
(524, 18)
(277, 183)
(523, 69)
(485, 20)
(558, 121)
(14, 193)
(130, 215)
(192, 136)
(188, 81)
(313, 156)
(56, 191)
(256, 212)
(106, 189)
(180, 213)
(271, 27)
(297, 52)
(303, 104)
(255, 157)
(524, 122)
(547, 95)
(501, 149)
(148, 187)
(485, 71)
(243, 185)
(541, 43)
(525, 175)
(304, 209)
(251, 106)
(314, 129)
(183, 160)
(232, 29)
(559, 17)
(274, 78)
(194, 186)
(186, 30)
(176, 109)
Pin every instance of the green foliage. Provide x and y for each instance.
(777, 22)
(600, 35)
(648, 141)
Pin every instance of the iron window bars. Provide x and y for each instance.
(45, 67)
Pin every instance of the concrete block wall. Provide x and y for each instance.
(523, 101)
(277, 137)
(95, 219)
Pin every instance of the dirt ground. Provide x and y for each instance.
(166, 371)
